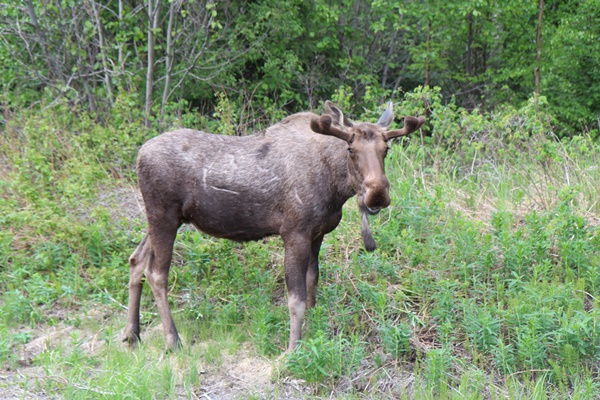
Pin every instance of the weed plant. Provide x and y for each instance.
(484, 285)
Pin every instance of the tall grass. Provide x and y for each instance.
(484, 284)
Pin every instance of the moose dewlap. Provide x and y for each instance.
(291, 180)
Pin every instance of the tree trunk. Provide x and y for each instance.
(102, 44)
(169, 55)
(152, 26)
(427, 67)
(389, 57)
(53, 66)
(404, 67)
(469, 66)
(120, 55)
(84, 68)
(538, 41)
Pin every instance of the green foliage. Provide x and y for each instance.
(396, 339)
(321, 359)
(569, 79)
(437, 367)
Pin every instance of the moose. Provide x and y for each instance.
(290, 180)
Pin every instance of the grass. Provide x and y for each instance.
(484, 284)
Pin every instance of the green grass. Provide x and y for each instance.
(484, 285)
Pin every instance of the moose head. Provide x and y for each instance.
(367, 148)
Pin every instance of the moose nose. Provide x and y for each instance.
(377, 194)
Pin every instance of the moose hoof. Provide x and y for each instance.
(132, 339)
(173, 344)
(284, 356)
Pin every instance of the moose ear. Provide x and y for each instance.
(337, 115)
(411, 124)
(387, 117)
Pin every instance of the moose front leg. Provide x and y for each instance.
(297, 255)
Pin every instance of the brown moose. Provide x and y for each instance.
(291, 180)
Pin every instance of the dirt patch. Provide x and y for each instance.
(23, 379)
(43, 343)
(243, 375)
(240, 375)
(21, 384)
(123, 202)
(252, 371)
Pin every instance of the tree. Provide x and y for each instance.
(153, 18)
(571, 79)
(538, 42)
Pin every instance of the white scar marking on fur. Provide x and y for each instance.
(298, 197)
(233, 162)
(225, 190)
(205, 173)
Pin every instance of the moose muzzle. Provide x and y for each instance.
(376, 195)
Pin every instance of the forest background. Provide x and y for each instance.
(267, 58)
(486, 281)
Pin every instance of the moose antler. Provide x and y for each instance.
(411, 124)
(324, 125)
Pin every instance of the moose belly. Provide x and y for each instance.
(228, 216)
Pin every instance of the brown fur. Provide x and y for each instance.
(288, 181)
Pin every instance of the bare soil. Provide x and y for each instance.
(237, 376)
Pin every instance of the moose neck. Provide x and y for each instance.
(341, 168)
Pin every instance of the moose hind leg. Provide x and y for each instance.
(138, 262)
(158, 277)
(312, 274)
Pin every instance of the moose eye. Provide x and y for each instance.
(350, 150)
